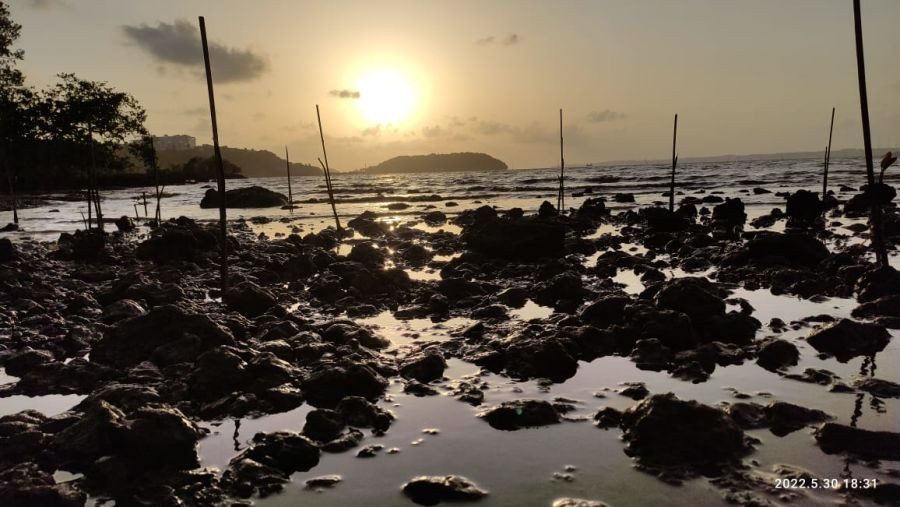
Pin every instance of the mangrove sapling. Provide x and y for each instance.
(327, 171)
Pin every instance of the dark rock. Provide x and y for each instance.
(431, 490)
(424, 366)
(7, 250)
(694, 296)
(20, 363)
(122, 309)
(323, 425)
(344, 332)
(547, 210)
(859, 204)
(771, 248)
(525, 239)
(286, 451)
(323, 481)
(367, 254)
(577, 502)
(663, 431)
(634, 390)
(605, 311)
(184, 335)
(369, 451)
(249, 197)
(878, 387)
(730, 213)
(847, 339)
(161, 437)
(435, 218)
(539, 357)
(515, 415)
(25, 485)
(607, 417)
(326, 386)
(784, 418)
(593, 207)
(804, 207)
(358, 412)
(887, 306)
(248, 299)
(663, 220)
(838, 438)
(619, 197)
(877, 283)
(178, 240)
(124, 224)
(776, 354)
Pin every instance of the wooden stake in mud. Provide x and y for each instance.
(220, 169)
(12, 196)
(327, 170)
(287, 163)
(827, 158)
(93, 177)
(561, 198)
(875, 209)
(674, 163)
(144, 197)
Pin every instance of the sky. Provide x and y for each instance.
(413, 77)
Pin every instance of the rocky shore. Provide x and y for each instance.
(134, 323)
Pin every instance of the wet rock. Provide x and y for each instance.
(878, 387)
(607, 417)
(887, 306)
(218, 372)
(323, 481)
(694, 296)
(730, 213)
(284, 450)
(771, 248)
(345, 332)
(83, 245)
(435, 218)
(847, 339)
(346, 441)
(664, 431)
(524, 239)
(358, 412)
(775, 354)
(25, 485)
(431, 490)
(605, 311)
(577, 502)
(245, 476)
(369, 451)
(424, 366)
(96, 433)
(326, 386)
(167, 333)
(8, 251)
(20, 363)
(593, 207)
(748, 415)
(515, 415)
(530, 357)
(368, 226)
(248, 197)
(126, 397)
(784, 418)
(367, 254)
(248, 299)
(124, 224)
(547, 210)
(804, 207)
(122, 309)
(634, 390)
(621, 197)
(323, 425)
(877, 283)
(859, 204)
(459, 288)
(838, 438)
(663, 220)
(179, 240)
(161, 437)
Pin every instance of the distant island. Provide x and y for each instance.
(438, 162)
(253, 163)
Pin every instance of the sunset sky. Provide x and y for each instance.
(410, 77)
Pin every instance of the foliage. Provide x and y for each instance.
(204, 168)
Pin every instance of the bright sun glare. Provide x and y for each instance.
(386, 96)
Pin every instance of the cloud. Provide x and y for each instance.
(532, 133)
(507, 40)
(372, 131)
(178, 44)
(434, 132)
(604, 116)
(344, 94)
(47, 4)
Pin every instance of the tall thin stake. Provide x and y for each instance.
(287, 163)
(327, 170)
(561, 198)
(827, 158)
(220, 173)
(674, 163)
(95, 191)
(875, 209)
(12, 195)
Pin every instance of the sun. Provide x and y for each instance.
(386, 96)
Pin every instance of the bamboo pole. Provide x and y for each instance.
(158, 214)
(674, 164)
(287, 163)
(875, 209)
(93, 177)
(12, 196)
(144, 197)
(220, 173)
(136, 216)
(561, 198)
(827, 159)
(327, 170)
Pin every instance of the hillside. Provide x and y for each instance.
(438, 162)
(252, 162)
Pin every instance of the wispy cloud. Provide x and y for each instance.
(344, 94)
(47, 4)
(604, 116)
(507, 40)
(178, 44)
